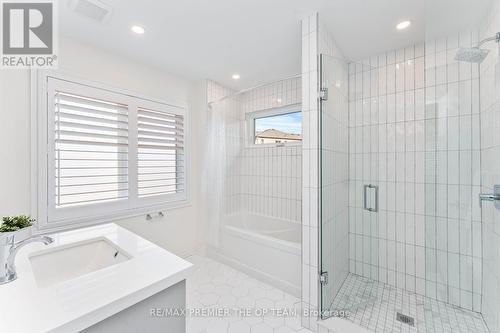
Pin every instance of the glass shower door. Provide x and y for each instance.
(334, 186)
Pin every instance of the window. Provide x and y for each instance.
(276, 127)
(160, 153)
(91, 150)
(109, 154)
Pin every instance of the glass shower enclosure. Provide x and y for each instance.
(401, 236)
(334, 176)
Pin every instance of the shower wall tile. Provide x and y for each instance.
(216, 91)
(282, 93)
(490, 175)
(271, 181)
(414, 132)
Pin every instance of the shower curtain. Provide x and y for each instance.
(214, 171)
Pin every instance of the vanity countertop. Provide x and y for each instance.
(76, 304)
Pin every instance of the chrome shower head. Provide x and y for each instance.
(471, 54)
(476, 54)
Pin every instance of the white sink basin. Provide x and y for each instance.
(76, 259)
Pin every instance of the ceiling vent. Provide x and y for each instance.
(93, 9)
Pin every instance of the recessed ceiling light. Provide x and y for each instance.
(138, 29)
(403, 25)
(236, 76)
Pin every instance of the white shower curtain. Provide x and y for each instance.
(214, 171)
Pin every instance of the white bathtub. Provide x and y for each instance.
(265, 247)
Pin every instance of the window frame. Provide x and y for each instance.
(250, 124)
(42, 153)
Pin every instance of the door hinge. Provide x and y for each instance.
(323, 94)
(323, 278)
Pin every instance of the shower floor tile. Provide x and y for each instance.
(374, 305)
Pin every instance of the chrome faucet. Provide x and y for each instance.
(8, 251)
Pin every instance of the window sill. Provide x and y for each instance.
(63, 225)
(273, 145)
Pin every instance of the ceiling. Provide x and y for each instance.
(260, 39)
(363, 28)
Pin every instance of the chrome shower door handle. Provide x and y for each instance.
(365, 206)
(365, 197)
(375, 209)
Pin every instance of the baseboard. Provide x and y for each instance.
(287, 287)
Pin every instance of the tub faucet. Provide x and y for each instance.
(8, 251)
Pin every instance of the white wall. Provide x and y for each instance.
(490, 173)
(176, 232)
(14, 142)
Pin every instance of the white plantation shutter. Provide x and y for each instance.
(108, 155)
(91, 150)
(160, 153)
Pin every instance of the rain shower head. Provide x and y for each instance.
(471, 54)
(476, 54)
